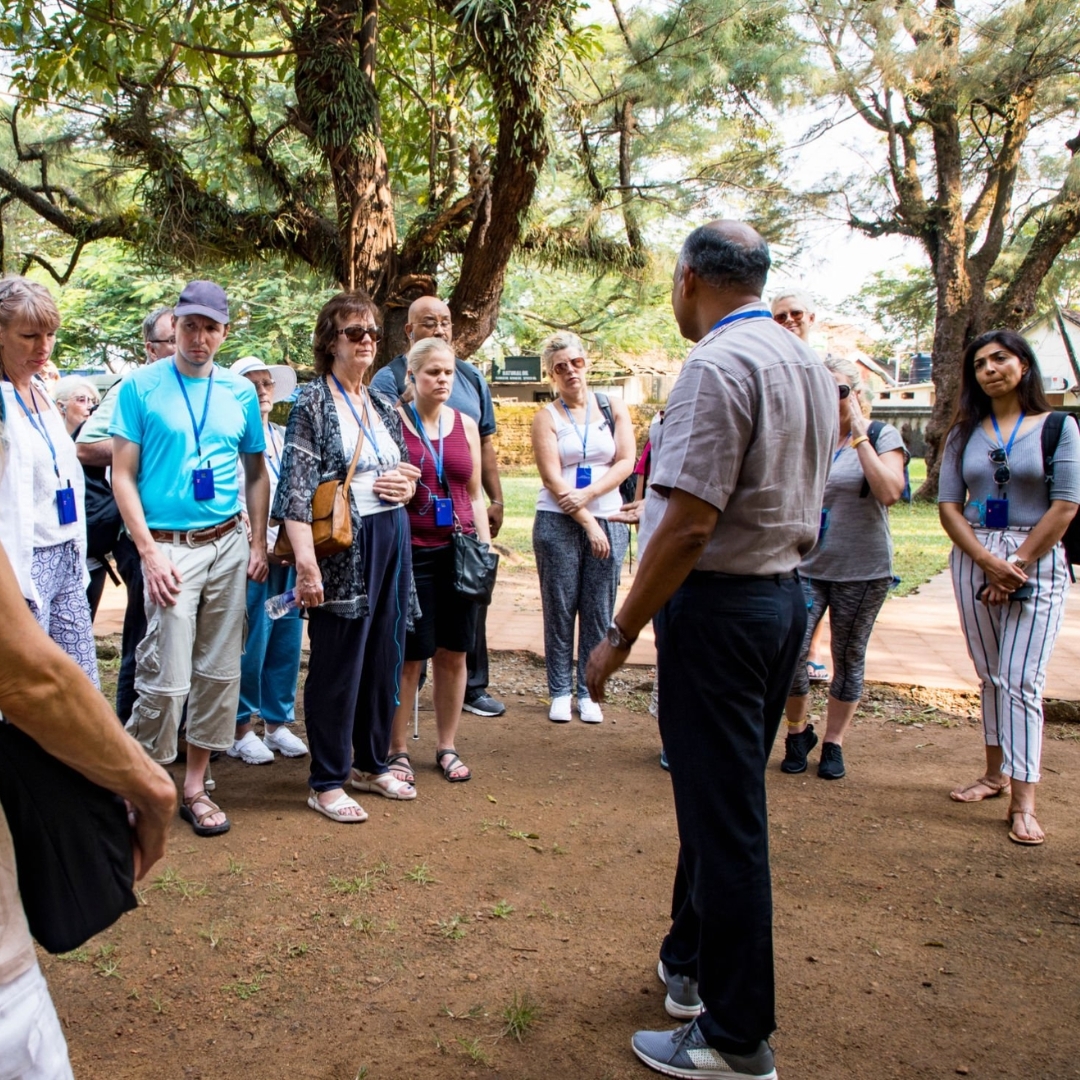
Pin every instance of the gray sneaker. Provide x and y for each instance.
(682, 999)
(684, 1052)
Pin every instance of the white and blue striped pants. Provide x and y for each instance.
(1010, 646)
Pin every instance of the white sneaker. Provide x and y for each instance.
(284, 742)
(250, 750)
(560, 709)
(589, 711)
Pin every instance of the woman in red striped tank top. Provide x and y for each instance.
(445, 446)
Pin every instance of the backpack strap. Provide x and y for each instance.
(398, 368)
(873, 433)
(605, 407)
(1053, 426)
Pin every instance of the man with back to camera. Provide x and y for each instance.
(430, 317)
(180, 428)
(736, 502)
(94, 447)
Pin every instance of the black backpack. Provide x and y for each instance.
(628, 488)
(873, 433)
(1051, 436)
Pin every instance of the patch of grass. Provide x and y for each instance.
(520, 1015)
(157, 1004)
(76, 956)
(476, 1012)
(920, 546)
(211, 936)
(236, 868)
(352, 886)
(296, 949)
(451, 928)
(420, 875)
(365, 924)
(502, 910)
(472, 1049)
(517, 834)
(108, 969)
(245, 990)
(1064, 732)
(170, 881)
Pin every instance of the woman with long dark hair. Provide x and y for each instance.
(1008, 567)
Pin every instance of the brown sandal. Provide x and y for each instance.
(1027, 841)
(187, 812)
(995, 788)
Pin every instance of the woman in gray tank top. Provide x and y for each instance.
(1008, 566)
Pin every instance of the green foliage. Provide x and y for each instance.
(904, 308)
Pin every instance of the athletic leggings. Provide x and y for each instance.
(1010, 646)
(853, 606)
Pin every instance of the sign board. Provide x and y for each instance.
(517, 369)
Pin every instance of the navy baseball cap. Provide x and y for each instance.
(203, 298)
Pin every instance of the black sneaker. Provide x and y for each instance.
(796, 747)
(484, 705)
(831, 766)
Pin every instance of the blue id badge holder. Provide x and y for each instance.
(66, 510)
(204, 484)
(584, 476)
(997, 513)
(444, 512)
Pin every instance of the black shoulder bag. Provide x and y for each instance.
(475, 563)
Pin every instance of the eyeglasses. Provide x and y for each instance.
(844, 389)
(161, 341)
(356, 334)
(783, 316)
(1000, 458)
(437, 324)
(563, 366)
(82, 399)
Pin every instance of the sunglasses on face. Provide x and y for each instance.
(844, 389)
(563, 366)
(356, 334)
(783, 316)
(999, 458)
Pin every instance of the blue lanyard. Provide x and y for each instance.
(369, 428)
(1012, 437)
(847, 443)
(588, 412)
(196, 428)
(438, 458)
(728, 319)
(39, 427)
(270, 457)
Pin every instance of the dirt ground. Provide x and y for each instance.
(912, 938)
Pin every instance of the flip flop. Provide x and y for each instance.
(1027, 841)
(334, 810)
(454, 763)
(187, 812)
(993, 787)
(816, 672)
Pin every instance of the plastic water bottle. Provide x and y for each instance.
(280, 605)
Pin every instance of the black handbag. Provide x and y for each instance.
(73, 844)
(475, 566)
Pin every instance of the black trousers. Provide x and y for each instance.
(130, 568)
(727, 649)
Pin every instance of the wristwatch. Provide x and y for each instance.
(1015, 560)
(617, 639)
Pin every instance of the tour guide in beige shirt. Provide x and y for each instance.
(736, 502)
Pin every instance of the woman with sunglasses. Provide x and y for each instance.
(1008, 567)
(579, 552)
(848, 573)
(42, 504)
(359, 601)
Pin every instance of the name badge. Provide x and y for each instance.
(204, 484)
(997, 513)
(65, 505)
(584, 476)
(444, 512)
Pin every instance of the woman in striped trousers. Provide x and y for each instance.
(1006, 519)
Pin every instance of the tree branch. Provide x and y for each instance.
(60, 279)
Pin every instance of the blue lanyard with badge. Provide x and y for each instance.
(997, 510)
(66, 511)
(584, 472)
(203, 475)
(444, 507)
(367, 429)
(273, 454)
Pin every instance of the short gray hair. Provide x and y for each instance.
(71, 384)
(553, 343)
(149, 324)
(800, 296)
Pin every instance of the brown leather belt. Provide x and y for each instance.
(196, 537)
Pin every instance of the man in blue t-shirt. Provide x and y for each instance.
(430, 317)
(179, 429)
